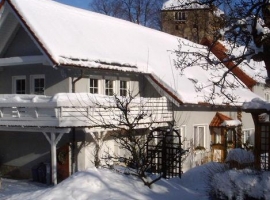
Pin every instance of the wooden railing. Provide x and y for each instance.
(72, 111)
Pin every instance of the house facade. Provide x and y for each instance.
(53, 66)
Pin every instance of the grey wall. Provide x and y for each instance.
(21, 45)
(21, 151)
(55, 81)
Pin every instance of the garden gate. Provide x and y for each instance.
(164, 152)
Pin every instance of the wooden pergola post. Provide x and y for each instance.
(53, 140)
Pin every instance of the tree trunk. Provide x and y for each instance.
(266, 44)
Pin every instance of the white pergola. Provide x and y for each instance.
(55, 116)
(53, 135)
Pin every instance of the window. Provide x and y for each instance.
(123, 88)
(180, 16)
(246, 138)
(93, 86)
(218, 138)
(37, 84)
(19, 85)
(199, 134)
(216, 131)
(264, 149)
(109, 87)
(230, 136)
(183, 137)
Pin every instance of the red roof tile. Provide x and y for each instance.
(219, 51)
(219, 119)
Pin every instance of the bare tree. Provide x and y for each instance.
(134, 123)
(129, 120)
(244, 36)
(144, 12)
(111, 8)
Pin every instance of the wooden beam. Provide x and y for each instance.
(53, 159)
(23, 60)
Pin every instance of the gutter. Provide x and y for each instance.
(75, 81)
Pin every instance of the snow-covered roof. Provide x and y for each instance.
(257, 104)
(183, 4)
(223, 120)
(254, 69)
(229, 123)
(76, 37)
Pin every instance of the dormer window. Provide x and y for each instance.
(180, 16)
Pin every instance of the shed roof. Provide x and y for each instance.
(222, 120)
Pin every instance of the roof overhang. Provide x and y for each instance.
(163, 90)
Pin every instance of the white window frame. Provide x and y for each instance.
(230, 136)
(32, 82)
(98, 85)
(244, 136)
(101, 83)
(184, 141)
(118, 83)
(218, 138)
(113, 86)
(195, 134)
(14, 85)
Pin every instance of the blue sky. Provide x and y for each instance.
(76, 3)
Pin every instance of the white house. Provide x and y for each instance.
(47, 48)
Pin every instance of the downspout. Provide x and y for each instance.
(73, 139)
(75, 81)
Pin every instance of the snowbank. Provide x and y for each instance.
(99, 184)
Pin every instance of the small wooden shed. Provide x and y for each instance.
(223, 130)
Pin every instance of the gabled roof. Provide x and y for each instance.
(75, 37)
(221, 120)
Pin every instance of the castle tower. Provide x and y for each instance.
(189, 20)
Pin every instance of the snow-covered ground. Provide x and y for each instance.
(104, 184)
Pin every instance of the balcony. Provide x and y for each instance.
(78, 110)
